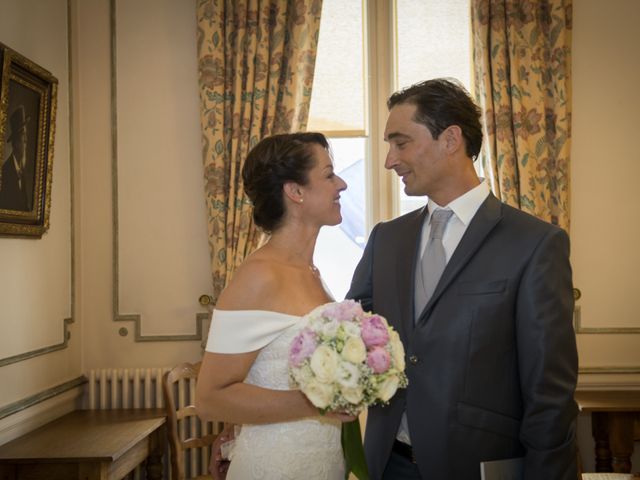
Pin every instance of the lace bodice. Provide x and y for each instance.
(308, 448)
(269, 370)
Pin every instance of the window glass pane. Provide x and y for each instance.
(339, 248)
(433, 41)
(337, 101)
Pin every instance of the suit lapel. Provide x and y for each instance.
(406, 257)
(485, 219)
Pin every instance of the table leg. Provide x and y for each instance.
(156, 450)
(621, 440)
(600, 432)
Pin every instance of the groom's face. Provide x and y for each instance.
(414, 154)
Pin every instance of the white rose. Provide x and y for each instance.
(348, 375)
(324, 363)
(354, 350)
(330, 328)
(351, 329)
(302, 375)
(352, 395)
(320, 394)
(388, 387)
(397, 351)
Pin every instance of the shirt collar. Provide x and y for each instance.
(466, 205)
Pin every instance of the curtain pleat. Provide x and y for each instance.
(522, 69)
(256, 61)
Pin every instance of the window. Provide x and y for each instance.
(367, 50)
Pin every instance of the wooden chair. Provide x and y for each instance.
(178, 387)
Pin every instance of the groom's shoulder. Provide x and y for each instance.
(402, 221)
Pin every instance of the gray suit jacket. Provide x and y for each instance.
(492, 360)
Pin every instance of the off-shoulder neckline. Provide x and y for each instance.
(270, 312)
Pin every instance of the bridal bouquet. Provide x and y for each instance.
(345, 359)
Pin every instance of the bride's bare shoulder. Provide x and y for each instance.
(253, 285)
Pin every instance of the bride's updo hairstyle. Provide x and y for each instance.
(273, 162)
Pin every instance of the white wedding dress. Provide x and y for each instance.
(304, 449)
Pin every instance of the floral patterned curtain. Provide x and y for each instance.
(256, 62)
(522, 68)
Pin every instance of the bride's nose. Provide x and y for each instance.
(342, 185)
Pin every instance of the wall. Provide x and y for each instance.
(605, 170)
(137, 221)
(604, 220)
(36, 281)
(144, 258)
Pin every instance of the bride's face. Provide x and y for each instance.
(321, 194)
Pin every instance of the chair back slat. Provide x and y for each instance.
(177, 413)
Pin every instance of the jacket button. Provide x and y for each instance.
(413, 359)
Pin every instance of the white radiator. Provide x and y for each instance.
(115, 388)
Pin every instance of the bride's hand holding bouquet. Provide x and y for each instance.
(345, 359)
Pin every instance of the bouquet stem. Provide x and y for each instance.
(354, 451)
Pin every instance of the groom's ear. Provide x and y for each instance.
(293, 191)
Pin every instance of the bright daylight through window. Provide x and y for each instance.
(430, 38)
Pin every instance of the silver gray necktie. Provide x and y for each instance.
(433, 261)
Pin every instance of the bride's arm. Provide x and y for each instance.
(221, 394)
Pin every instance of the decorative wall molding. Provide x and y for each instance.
(67, 321)
(32, 400)
(632, 369)
(608, 386)
(577, 325)
(200, 318)
(41, 351)
(606, 369)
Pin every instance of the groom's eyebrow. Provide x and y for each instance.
(395, 136)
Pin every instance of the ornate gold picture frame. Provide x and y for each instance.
(28, 95)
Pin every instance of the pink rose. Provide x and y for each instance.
(344, 311)
(302, 347)
(378, 360)
(374, 331)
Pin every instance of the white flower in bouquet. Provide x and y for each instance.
(397, 350)
(324, 363)
(354, 350)
(388, 388)
(345, 359)
(348, 375)
(352, 395)
(321, 394)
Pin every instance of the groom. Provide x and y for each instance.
(483, 308)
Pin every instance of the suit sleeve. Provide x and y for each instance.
(361, 288)
(548, 360)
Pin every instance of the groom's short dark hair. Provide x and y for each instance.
(440, 103)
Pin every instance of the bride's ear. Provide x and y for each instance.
(293, 191)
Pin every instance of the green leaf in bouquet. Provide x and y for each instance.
(354, 451)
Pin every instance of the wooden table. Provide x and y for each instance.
(88, 445)
(615, 423)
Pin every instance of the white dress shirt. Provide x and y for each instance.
(464, 209)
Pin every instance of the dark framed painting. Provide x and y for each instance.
(28, 95)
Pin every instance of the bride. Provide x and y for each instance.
(244, 377)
